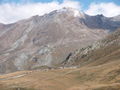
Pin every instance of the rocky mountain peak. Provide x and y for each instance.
(71, 11)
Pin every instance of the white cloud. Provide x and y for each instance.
(107, 9)
(12, 12)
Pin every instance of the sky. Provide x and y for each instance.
(14, 10)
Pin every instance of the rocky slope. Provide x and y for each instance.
(47, 40)
(104, 51)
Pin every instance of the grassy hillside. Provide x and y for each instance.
(101, 77)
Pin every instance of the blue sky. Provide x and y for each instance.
(85, 3)
(14, 10)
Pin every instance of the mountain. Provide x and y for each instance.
(102, 22)
(91, 63)
(48, 40)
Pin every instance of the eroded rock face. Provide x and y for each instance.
(48, 39)
(101, 52)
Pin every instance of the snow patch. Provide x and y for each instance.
(76, 13)
(73, 11)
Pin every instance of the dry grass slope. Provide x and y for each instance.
(101, 77)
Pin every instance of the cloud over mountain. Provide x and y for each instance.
(11, 12)
(107, 9)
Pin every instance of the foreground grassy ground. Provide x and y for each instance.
(101, 77)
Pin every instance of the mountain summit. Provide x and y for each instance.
(71, 11)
